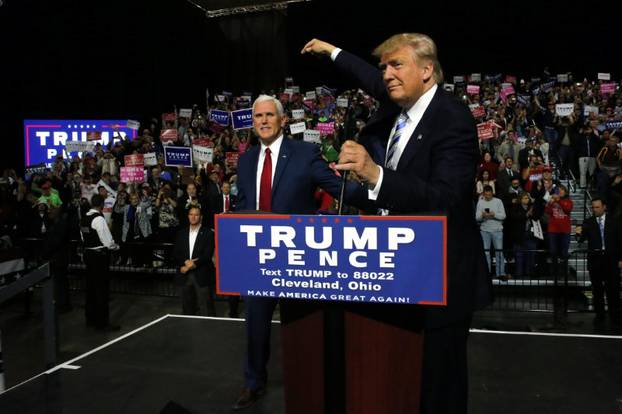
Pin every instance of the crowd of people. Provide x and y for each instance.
(521, 204)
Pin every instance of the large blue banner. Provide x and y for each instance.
(242, 119)
(220, 117)
(44, 139)
(336, 258)
(177, 156)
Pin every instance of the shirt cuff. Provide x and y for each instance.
(335, 53)
(372, 193)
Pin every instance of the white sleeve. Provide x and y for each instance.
(100, 226)
(335, 53)
(372, 193)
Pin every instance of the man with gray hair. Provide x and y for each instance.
(418, 155)
(279, 175)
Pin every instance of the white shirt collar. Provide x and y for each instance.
(275, 147)
(416, 111)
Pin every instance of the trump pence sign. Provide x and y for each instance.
(335, 258)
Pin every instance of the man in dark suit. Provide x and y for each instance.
(194, 248)
(279, 175)
(504, 177)
(418, 155)
(604, 261)
(225, 202)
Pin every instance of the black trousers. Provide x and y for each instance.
(444, 388)
(97, 287)
(605, 277)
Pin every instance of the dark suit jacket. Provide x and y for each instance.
(203, 251)
(300, 169)
(435, 175)
(613, 238)
(504, 181)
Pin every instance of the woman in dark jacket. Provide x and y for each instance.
(521, 232)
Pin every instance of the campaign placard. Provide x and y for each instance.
(202, 154)
(298, 113)
(607, 88)
(177, 156)
(342, 102)
(449, 87)
(473, 89)
(484, 131)
(220, 117)
(79, 146)
(476, 77)
(298, 128)
(562, 77)
(168, 135)
(132, 174)
(169, 116)
(325, 128)
(185, 113)
(312, 135)
(333, 258)
(590, 109)
(231, 158)
(134, 159)
(564, 109)
(310, 95)
(132, 124)
(242, 119)
(44, 139)
(150, 159)
(478, 111)
(604, 76)
(613, 125)
(459, 79)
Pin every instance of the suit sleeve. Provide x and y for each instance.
(450, 182)
(368, 76)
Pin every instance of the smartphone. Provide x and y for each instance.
(487, 210)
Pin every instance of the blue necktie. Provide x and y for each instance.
(399, 128)
(601, 225)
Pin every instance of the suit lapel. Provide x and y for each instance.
(421, 132)
(281, 163)
(253, 159)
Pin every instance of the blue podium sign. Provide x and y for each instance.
(390, 259)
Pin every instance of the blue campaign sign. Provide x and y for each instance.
(242, 119)
(44, 139)
(177, 156)
(336, 258)
(220, 117)
(613, 124)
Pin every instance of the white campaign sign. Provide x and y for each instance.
(318, 90)
(79, 146)
(296, 89)
(150, 159)
(132, 124)
(312, 135)
(298, 113)
(449, 87)
(298, 128)
(458, 79)
(587, 109)
(476, 77)
(604, 76)
(342, 102)
(185, 113)
(562, 77)
(564, 109)
(310, 95)
(203, 154)
(289, 91)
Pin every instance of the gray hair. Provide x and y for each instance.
(266, 98)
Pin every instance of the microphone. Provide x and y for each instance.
(344, 178)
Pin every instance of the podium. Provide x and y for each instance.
(358, 349)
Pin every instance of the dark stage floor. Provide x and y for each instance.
(196, 362)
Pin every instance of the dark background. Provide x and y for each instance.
(137, 58)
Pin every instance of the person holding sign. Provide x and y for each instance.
(419, 154)
(280, 176)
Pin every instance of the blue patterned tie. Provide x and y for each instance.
(402, 121)
(601, 225)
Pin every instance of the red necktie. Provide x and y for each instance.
(265, 184)
(226, 203)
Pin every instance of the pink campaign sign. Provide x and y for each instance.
(326, 128)
(134, 174)
(607, 88)
(473, 89)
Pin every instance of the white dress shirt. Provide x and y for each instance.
(103, 232)
(192, 239)
(275, 148)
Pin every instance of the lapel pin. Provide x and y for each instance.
(419, 137)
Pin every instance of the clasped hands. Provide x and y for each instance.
(189, 264)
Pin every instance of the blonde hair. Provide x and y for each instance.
(424, 50)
